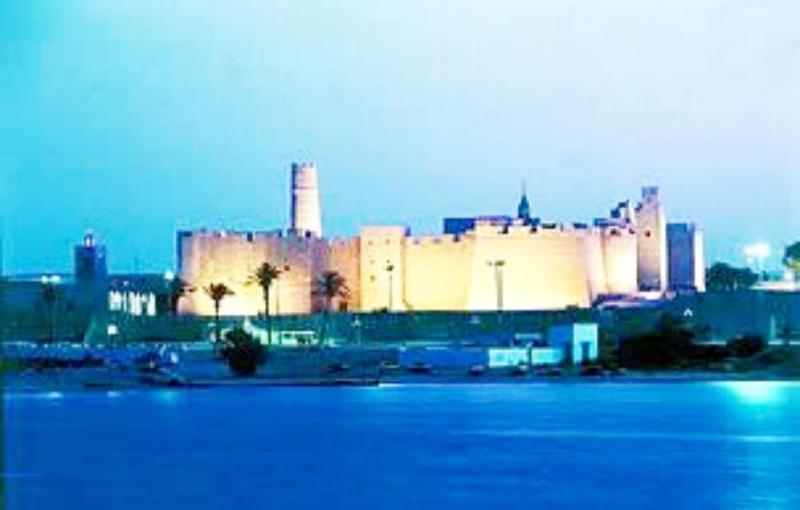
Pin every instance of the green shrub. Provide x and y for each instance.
(243, 352)
(746, 346)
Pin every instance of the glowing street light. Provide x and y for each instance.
(50, 297)
(390, 274)
(757, 254)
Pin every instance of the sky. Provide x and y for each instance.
(139, 118)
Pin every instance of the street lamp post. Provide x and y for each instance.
(50, 295)
(498, 266)
(390, 273)
(757, 254)
(169, 279)
(286, 269)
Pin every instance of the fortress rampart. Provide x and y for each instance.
(513, 264)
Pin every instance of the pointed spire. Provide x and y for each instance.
(524, 208)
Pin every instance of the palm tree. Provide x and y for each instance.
(217, 292)
(176, 290)
(265, 275)
(329, 286)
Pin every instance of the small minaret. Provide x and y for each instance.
(524, 207)
(306, 219)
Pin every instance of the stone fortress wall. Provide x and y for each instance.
(544, 266)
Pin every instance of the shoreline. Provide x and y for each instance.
(62, 380)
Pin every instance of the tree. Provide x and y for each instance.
(791, 258)
(217, 292)
(723, 277)
(329, 286)
(176, 290)
(243, 352)
(265, 276)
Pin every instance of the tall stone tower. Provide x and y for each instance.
(306, 216)
(91, 273)
(651, 229)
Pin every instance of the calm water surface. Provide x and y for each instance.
(704, 445)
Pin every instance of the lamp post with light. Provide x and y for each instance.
(390, 273)
(498, 266)
(286, 268)
(50, 296)
(756, 255)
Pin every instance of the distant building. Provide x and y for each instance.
(459, 226)
(686, 259)
(138, 294)
(91, 268)
(578, 342)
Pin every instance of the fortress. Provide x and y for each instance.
(484, 263)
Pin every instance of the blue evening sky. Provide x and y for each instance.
(137, 118)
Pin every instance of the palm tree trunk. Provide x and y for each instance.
(324, 330)
(268, 317)
(324, 335)
(216, 327)
(52, 322)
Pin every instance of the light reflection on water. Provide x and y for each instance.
(758, 392)
(625, 445)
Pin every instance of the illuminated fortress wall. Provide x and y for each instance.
(437, 273)
(620, 260)
(232, 258)
(544, 266)
(382, 267)
(344, 257)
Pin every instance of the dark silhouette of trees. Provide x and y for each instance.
(724, 277)
(669, 345)
(176, 290)
(791, 258)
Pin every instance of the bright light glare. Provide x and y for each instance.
(757, 251)
(755, 392)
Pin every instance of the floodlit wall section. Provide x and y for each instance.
(233, 257)
(344, 257)
(542, 268)
(387, 269)
(437, 272)
(382, 268)
(620, 260)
